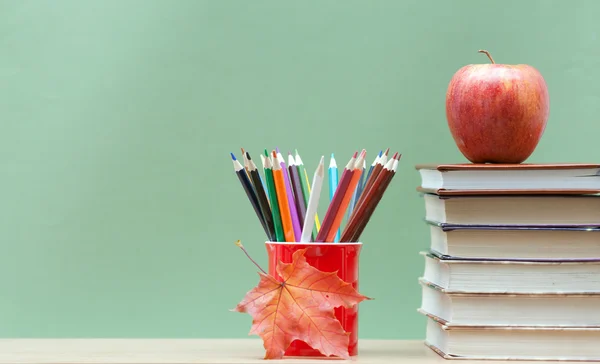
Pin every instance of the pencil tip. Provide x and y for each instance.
(274, 154)
(355, 155)
(380, 153)
(332, 157)
(322, 159)
(296, 150)
(266, 152)
(395, 156)
(277, 149)
(243, 151)
(233, 156)
(248, 156)
(387, 151)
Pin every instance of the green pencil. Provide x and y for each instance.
(273, 198)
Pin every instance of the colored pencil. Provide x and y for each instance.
(306, 192)
(262, 180)
(356, 191)
(362, 223)
(245, 160)
(247, 168)
(262, 197)
(333, 184)
(313, 202)
(299, 200)
(267, 167)
(262, 159)
(283, 199)
(286, 205)
(336, 201)
(247, 185)
(356, 171)
(290, 195)
(366, 178)
(376, 169)
(364, 211)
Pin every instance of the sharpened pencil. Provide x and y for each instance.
(334, 205)
(263, 203)
(306, 183)
(245, 160)
(376, 169)
(313, 202)
(364, 178)
(346, 196)
(286, 205)
(297, 189)
(283, 200)
(290, 195)
(333, 184)
(306, 192)
(262, 180)
(250, 193)
(356, 192)
(365, 210)
(267, 167)
(374, 203)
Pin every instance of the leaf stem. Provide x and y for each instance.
(487, 54)
(239, 244)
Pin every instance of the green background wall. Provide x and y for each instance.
(118, 205)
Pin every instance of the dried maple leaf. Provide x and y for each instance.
(299, 308)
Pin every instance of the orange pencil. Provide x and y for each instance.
(337, 221)
(282, 198)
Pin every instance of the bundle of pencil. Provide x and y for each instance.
(286, 204)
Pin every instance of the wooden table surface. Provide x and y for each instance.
(192, 351)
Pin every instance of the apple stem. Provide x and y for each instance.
(239, 244)
(487, 54)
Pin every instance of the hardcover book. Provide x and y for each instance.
(521, 210)
(494, 276)
(493, 242)
(476, 179)
(555, 309)
(512, 343)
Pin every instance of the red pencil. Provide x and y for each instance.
(336, 201)
(364, 211)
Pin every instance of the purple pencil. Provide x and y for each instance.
(290, 196)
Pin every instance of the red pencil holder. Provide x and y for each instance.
(326, 257)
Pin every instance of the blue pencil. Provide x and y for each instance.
(333, 182)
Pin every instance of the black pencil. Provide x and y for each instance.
(263, 203)
(250, 192)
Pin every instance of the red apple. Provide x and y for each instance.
(497, 113)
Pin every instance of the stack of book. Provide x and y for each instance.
(513, 269)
